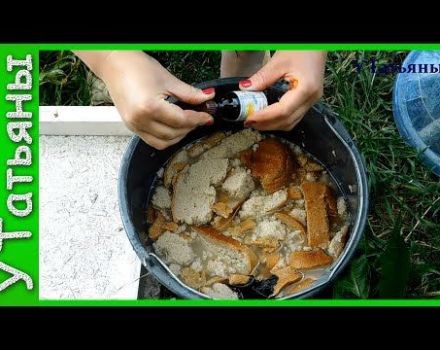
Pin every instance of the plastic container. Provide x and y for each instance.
(416, 108)
(320, 133)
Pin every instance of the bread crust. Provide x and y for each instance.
(199, 147)
(294, 192)
(286, 276)
(291, 222)
(237, 279)
(318, 228)
(309, 259)
(271, 163)
(296, 287)
(160, 225)
(217, 237)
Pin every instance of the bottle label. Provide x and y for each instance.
(250, 102)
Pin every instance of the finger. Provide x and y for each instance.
(289, 102)
(165, 132)
(156, 142)
(265, 77)
(189, 94)
(176, 117)
(286, 124)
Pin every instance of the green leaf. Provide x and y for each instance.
(395, 266)
(356, 281)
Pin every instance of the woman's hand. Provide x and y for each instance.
(306, 69)
(138, 85)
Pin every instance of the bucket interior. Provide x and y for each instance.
(319, 134)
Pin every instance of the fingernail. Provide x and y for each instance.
(249, 123)
(208, 91)
(245, 83)
(209, 122)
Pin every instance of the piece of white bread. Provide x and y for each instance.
(161, 198)
(341, 207)
(318, 227)
(194, 194)
(299, 214)
(230, 146)
(338, 242)
(204, 144)
(258, 205)
(270, 227)
(229, 256)
(174, 249)
(220, 291)
(286, 275)
(239, 184)
(309, 259)
(175, 164)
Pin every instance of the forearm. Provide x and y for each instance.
(95, 60)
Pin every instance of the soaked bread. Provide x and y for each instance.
(233, 209)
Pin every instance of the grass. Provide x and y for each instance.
(400, 253)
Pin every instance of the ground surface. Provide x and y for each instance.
(84, 252)
(400, 254)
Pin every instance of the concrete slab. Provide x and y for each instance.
(84, 252)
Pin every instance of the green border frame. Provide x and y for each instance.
(234, 46)
(250, 303)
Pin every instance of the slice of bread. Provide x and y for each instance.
(174, 249)
(271, 163)
(257, 206)
(309, 259)
(160, 225)
(294, 192)
(230, 146)
(204, 144)
(220, 291)
(236, 279)
(338, 242)
(161, 198)
(307, 163)
(300, 215)
(215, 279)
(239, 184)
(236, 257)
(286, 275)
(221, 224)
(194, 194)
(193, 278)
(222, 209)
(291, 222)
(318, 228)
(295, 288)
(270, 227)
(243, 227)
(174, 166)
(271, 259)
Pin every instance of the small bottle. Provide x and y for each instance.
(236, 106)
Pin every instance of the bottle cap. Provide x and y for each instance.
(211, 107)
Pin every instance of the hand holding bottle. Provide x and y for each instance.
(139, 85)
(305, 69)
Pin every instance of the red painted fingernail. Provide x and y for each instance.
(249, 123)
(245, 83)
(209, 122)
(208, 91)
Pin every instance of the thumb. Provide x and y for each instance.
(264, 78)
(189, 94)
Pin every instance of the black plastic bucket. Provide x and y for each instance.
(320, 133)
